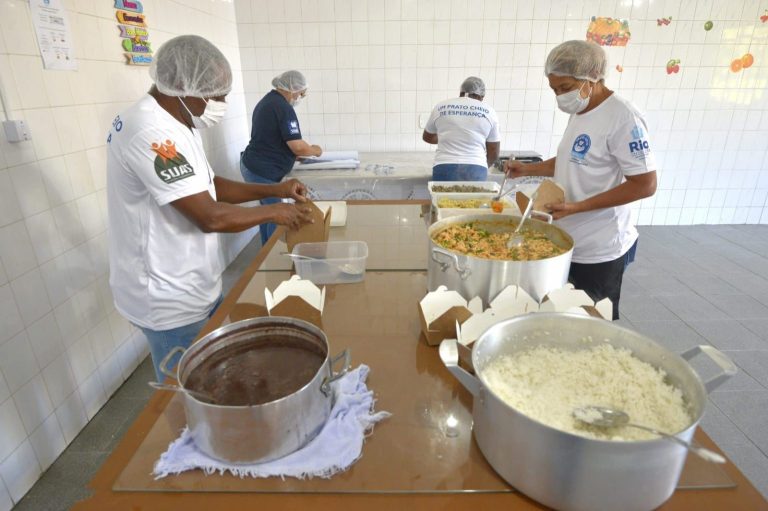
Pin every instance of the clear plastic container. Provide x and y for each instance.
(492, 188)
(332, 262)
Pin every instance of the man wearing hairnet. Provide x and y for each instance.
(276, 139)
(466, 132)
(166, 205)
(604, 162)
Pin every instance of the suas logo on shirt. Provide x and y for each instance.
(293, 127)
(171, 165)
(639, 147)
(580, 148)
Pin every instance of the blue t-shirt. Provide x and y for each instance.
(274, 123)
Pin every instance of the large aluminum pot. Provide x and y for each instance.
(567, 471)
(258, 433)
(472, 276)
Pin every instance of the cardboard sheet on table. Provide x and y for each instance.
(408, 452)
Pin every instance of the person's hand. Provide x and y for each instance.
(293, 189)
(559, 210)
(514, 168)
(316, 150)
(292, 216)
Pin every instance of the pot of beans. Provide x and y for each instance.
(258, 389)
(473, 254)
(532, 375)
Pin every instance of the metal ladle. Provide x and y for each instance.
(604, 417)
(200, 396)
(347, 268)
(517, 239)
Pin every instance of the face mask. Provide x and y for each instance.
(212, 115)
(572, 102)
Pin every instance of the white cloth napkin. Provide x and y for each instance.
(336, 448)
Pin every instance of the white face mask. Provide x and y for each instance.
(212, 115)
(572, 102)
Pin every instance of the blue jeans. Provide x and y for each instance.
(629, 256)
(161, 342)
(459, 172)
(266, 230)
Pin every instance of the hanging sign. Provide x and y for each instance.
(127, 5)
(136, 46)
(130, 32)
(131, 18)
(138, 59)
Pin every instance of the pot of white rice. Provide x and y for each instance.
(532, 371)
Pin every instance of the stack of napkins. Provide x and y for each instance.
(329, 160)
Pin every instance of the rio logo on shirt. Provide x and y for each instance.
(171, 165)
(293, 127)
(580, 148)
(639, 146)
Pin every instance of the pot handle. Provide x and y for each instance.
(325, 387)
(463, 272)
(163, 366)
(545, 216)
(449, 354)
(719, 358)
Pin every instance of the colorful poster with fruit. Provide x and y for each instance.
(743, 63)
(673, 66)
(608, 31)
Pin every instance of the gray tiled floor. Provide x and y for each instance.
(689, 285)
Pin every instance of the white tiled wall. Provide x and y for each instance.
(63, 348)
(376, 67)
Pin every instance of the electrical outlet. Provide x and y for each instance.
(16, 131)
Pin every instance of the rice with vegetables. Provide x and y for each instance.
(488, 240)
(547, 384)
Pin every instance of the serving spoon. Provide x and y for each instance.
(604, 417)
(517, 239)
(200, 396)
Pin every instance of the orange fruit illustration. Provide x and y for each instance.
(747, 60)
(736, 65)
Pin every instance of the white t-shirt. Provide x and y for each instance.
(597, 150)
(463, 126)
(164, 271)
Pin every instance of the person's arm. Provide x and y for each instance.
(492, 152)
(514, 168)
(237, 192)
(212, 216)
(301, 149)
(634, 188)
(429, 138)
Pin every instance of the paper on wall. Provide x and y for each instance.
(54, 36)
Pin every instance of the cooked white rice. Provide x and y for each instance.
(547, 384)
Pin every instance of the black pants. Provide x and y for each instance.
(602, 280)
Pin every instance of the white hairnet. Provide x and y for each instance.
(189, 65)
(473, 85)
(292, 81)
(583, 60)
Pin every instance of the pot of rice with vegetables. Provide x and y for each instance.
(533, 372)
(472, 255)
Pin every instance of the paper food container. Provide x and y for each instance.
(338, 210)
(568, 299)
(439, 312)
(297, 298)
(548, 192)
(314, 232)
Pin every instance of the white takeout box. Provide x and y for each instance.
(441, 309)
(568, 299)
(296, 298)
